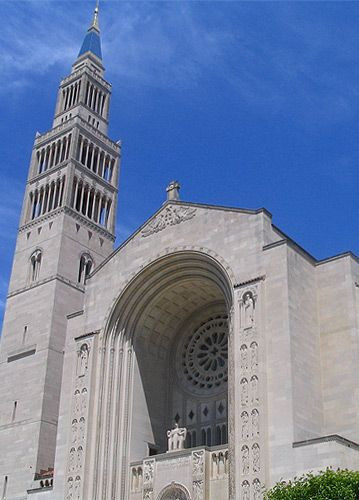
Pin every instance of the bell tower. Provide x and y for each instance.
(66, 229)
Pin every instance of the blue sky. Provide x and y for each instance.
(247, 104)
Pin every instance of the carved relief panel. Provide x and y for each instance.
(79, 417)
(250, 389)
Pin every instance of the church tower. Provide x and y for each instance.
(66, 229)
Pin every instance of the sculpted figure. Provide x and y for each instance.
(254, 355)
(83, 360)
(244, 391)
(248, 305)
(70, 485)
(245, 428)
(245, 460)
(246, 492)
(256, 459)
(72, 460)
(254, 389)
(244, 357)
(255, 423)
(77, 488)
(74, 431)
(257, 489)
(176, 438)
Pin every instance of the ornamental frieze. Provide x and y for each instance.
(171, 216)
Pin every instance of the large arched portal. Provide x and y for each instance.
(166, 355)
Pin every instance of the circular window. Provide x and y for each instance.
(202, 358)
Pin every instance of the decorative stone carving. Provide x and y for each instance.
(81, 429)
(77, 401)
(171, 216)
(174, 492)
(79, 458)
(245, 490)
(248, 306)
(83, 405)
(176, 438)
(257, 489)
(82, 364)
(148, 471)
(254, 389)
(254, 355)
(198, 475)
(198, 462)
(245, 425)
(77, 488)
(256, 457)
(244, 392)
(202, 357)
(245, 460)
(244, 357)
(255, 422)
(74, 427)
(198, 489)
(148, 476)
(72, 460)
(70, 489)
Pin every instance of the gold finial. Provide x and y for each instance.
(95, 17)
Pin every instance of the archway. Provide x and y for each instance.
(166, 351)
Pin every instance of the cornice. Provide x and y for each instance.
(324, 439)
(75, 215)
(41, 219)
(89, 224)
(54, 277)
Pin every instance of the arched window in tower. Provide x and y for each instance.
(35, 264)
(86, 265)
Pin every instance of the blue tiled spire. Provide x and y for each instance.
(92, 41)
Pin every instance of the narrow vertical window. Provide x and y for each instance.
(35, 264)
(86, 264)
(24, 334)
(4, 490)
(14, 408)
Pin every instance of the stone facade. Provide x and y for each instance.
(208, 317)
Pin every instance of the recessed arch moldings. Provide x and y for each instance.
(156, 278)
(196, 252)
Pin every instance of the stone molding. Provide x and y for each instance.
(324, 439)
(66, 281)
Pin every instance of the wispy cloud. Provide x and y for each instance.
(275, 55)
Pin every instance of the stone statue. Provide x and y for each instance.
(83, 360)
(176, 438)
(248, 305)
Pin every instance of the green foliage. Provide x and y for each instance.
(327, 485)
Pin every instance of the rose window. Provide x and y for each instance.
(203, 357)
